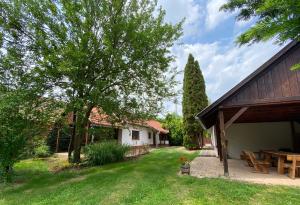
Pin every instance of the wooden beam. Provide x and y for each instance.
(223, 142)
(219, 146)
(235, 117)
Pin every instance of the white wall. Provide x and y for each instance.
(214, 139)
(127, 138)
(157, 138)
(258, 136)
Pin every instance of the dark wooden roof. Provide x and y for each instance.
(272, 83)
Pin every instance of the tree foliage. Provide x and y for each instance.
(194, 100)
(174, 124)
(20, 119)
(90, 53)
(278, 19)
(275, 18)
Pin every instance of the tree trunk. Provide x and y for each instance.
(71, 146)
(57, 140)
(195, 140)
(82, 122)
(7, 169)
(200, 141)
(77, 143)
(8, 173)
(87, 135)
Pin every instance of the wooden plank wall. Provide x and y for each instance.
(275, 83)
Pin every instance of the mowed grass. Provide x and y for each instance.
(151, 179)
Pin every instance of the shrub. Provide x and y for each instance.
(105, 152)
(174, 124)
(11, 147)
(188, 143)
(42, 150)
(37, 147)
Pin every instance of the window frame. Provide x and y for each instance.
(149, 135)
(134, 137)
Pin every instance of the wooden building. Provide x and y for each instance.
(261, 112)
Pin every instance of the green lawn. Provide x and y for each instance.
(151, 179)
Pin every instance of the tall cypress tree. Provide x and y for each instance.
(194, 100)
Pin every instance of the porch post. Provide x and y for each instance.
(222, 128)
(223, 143)
(219, 146)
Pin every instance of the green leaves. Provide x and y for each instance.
(296, 67)
(94, 48)
(194, 100)
(174, 124)
(89, 53)
(278, 19)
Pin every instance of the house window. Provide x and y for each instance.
(135, 135)
(149, 135)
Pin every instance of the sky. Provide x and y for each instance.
(210, 36)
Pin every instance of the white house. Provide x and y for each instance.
(149, 132)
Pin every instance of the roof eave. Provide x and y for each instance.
(213, 107)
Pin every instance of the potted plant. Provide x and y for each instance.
(185, 165)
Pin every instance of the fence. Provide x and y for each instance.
(138, 150)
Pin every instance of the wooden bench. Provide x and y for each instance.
(294, 166)
(259, 165)
(245, 157)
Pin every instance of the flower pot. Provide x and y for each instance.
(185, 169)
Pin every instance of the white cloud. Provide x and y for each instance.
(223, 66)
(213, 14)
(180, 9)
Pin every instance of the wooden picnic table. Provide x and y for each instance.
(282, 156)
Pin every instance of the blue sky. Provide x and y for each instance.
(209, 35)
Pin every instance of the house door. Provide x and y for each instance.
(154, 138)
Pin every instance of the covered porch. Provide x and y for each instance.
(257, 127)
(261, 113)
(213, 168)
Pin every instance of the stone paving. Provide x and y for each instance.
(207, 153)
(213, 168)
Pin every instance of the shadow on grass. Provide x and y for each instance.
(150, 179)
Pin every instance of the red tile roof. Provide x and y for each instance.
(103, 120)
(157, 126)
(99, 119)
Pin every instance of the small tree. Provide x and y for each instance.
(20, 120)
(194, 100)
(174, 124)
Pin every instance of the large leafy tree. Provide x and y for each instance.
(194, 100)
(278, 19)
(112, 54)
